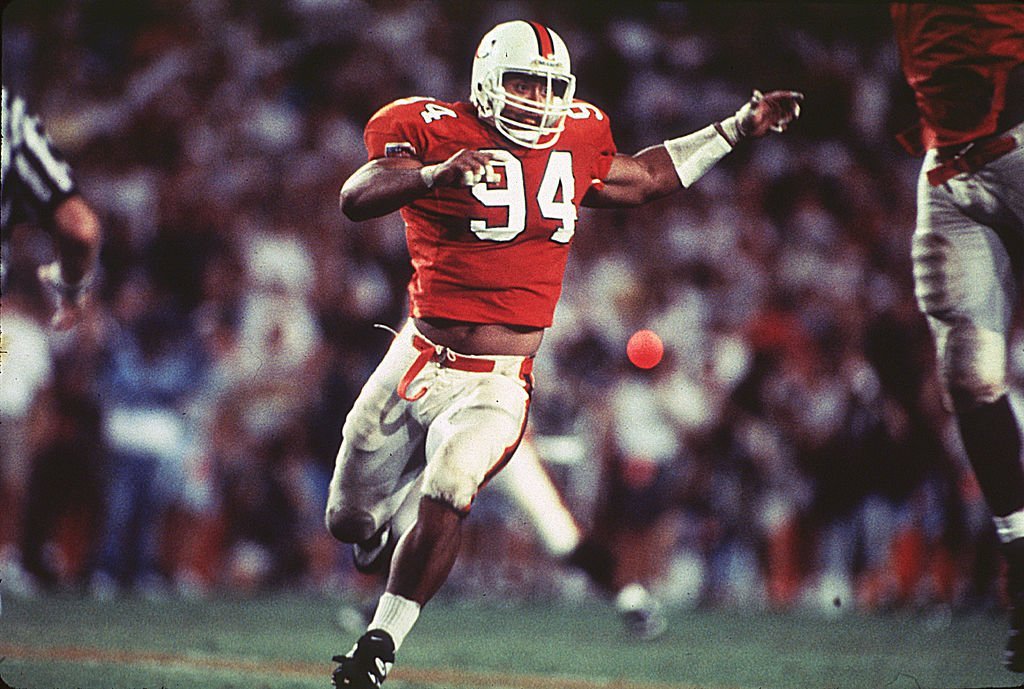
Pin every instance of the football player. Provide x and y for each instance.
(489, 192)
(965, 64)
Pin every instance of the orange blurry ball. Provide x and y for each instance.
(645, 349)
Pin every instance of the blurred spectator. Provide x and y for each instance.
(57, 235)
(151, 366)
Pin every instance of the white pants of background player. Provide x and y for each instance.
(450, 433)
(964, 278)
(967, 280)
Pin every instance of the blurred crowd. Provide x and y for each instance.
(790, 449)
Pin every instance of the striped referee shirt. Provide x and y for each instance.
(34, 179)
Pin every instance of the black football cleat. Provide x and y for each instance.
(374, 555)
(645, 624)
(641, 613)
(367, 664)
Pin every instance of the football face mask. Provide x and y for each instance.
(522, 83)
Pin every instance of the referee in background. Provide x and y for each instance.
(37, 186)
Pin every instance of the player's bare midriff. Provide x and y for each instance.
(482, 338)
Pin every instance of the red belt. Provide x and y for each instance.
(446, 358)
(976, 156)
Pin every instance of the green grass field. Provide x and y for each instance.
(286, 643)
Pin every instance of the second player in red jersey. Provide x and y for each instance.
(965, 65)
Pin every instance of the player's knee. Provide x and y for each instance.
(446, 482)
(974, 367)
(349, 526)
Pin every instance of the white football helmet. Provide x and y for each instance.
(523, 47)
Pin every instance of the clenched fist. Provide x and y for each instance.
(465, 168)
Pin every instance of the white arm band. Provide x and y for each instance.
(695, 154)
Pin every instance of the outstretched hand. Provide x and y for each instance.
(768, 112)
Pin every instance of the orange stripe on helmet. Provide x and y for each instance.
(546, 45)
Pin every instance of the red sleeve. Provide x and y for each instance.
(606, 152)
(396, 130)
(591, 127)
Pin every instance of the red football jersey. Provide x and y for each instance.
(493, 253)
(957, 58)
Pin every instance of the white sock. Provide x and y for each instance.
(395, 615)
(632, 597)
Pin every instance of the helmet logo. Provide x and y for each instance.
(485, 49)
(548, 61)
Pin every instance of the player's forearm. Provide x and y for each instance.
(694, 154)
(683, 160)
(637, 179)
(77, 235)
(656, 177)
(374, 191)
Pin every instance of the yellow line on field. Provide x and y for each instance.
(282, 668)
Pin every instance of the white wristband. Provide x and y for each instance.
(730, 129)
(694, 154)
(427, 175)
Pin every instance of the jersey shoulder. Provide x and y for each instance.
(418, 123)
(417, 111)
(585, 109)
(588, 122)
(587, 116)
